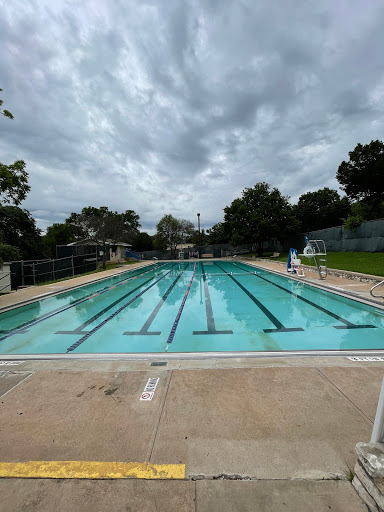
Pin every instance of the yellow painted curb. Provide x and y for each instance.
(91, 470)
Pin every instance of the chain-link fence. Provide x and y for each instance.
(28, 273)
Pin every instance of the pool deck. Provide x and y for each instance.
(250, 434)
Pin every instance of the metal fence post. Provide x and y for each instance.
(33, 273)
(378, 426)
(53, 269)
(73, 266)
(22, 273)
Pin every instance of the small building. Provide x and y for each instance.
(116, 250)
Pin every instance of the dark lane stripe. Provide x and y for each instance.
(79, 330)
(176, 322)
(23, 327)
(208, 310)
(152, 316)
(348, 325)
(279, 326)
(89, 333)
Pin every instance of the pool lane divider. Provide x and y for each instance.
(144, 330)
(279, 327)
(176, 322)
(23, 328)
(89, 470)
(347, 323)
(100, 325)
(211, 327)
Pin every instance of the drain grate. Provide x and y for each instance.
(159, 363)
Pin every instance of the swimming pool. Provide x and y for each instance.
(184, 307)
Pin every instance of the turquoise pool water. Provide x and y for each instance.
(192, 307)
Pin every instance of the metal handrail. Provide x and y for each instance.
(373, 287)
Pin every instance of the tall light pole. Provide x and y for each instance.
(198, 227)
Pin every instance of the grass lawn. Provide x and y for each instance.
(110, 266)
(364, 262)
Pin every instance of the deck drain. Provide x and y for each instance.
(159, 363)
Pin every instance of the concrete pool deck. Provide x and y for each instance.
(253, 434)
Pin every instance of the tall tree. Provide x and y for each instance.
(104, 227)
(19, 230)
(57, 234)
(172, 231)
(321, 209)
(13, 178)
(261, 214)
(362, 177)
(143, 242)
(217, 234)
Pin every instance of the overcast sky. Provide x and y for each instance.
(176, 106)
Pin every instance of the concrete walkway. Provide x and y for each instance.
(269, 434)
(276, 436)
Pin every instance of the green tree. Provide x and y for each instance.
(8, 253)
(261, 214)
(321, 209)
(104, 227)
(19, 230)
(143, 242)
(172, 231)
(362, 177)
(57, 234)
(217, 234)
(13, 178)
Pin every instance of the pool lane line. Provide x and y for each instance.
(211, 327)
(79, 330)
(101, 324)
(279, 326)
(176, 322)
(73, 304)
(79, 469)
(152, 316)
(348, 324)
(24, 326)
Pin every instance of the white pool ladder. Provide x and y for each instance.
(375, 286)
(316, 249)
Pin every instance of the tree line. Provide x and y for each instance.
(261, 213)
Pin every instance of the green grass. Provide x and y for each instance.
(110, 266)
(364, 262)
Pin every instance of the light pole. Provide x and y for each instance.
(198, 227)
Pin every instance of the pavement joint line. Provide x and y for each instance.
(23, 380)
(91, 470)
(160, 416)
(338, 389)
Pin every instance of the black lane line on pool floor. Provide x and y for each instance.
(79, 330)
(348, 325)
(208, 310)
(144, 330)
(26, 325)
(89, 333)
(279, 326)
(176, 322)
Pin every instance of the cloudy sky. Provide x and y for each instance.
(170, 106)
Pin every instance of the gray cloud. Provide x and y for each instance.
(175, 107)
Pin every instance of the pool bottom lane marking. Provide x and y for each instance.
(208, 310)
(101, 324)
(279, 326)
(152, 316)
(89, 470)
(347, 324)
(176, 322)
(23, 328)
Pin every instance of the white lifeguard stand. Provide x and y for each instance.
(316, 250)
